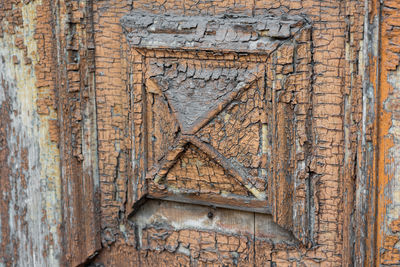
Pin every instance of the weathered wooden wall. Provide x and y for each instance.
(68, 152)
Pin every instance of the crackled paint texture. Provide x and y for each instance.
(388, 159)
(74, 158)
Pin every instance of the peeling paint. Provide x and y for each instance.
(69, 98)
(34, 207)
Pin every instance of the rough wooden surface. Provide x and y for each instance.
(387, 224)
(75, 160)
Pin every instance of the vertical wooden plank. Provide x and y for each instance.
(388, 136)
(78, 131)
(139, 139)
(292, 138)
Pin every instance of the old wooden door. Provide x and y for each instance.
(199, 133)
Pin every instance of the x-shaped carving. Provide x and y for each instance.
(188, 136)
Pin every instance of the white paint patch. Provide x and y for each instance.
(2, 95)
(36, 231)
(392, 190)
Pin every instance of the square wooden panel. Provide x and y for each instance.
(204, 131)
(220, 112)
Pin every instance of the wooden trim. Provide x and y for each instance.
(229, 202)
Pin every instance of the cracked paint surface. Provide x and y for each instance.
(73, 159)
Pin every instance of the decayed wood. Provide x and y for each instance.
(385, 134)
(229, 202)
(239, 33)
(300, 108)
